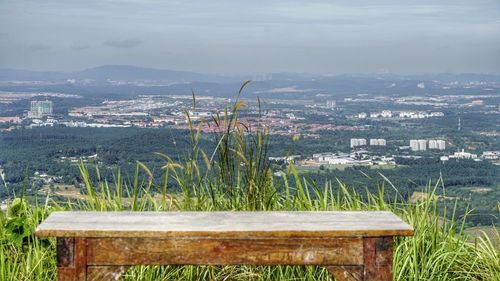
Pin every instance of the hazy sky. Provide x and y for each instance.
(253, 36)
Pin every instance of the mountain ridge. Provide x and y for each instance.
(112, 72)
(132, 72)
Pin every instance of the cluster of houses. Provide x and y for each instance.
(486, 155)
(357, 158)
(399, 114)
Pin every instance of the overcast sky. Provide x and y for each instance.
(253, 36)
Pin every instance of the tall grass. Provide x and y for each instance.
(236, 176)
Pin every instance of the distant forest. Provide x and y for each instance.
(46, 150)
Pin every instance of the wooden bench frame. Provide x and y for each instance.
(91, 258)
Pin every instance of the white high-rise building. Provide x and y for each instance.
(441, 144)
(432, 144)
(40, 108)
(418, 145)
(358, 142)
(422, 145)
(331, 104)
(377, 142)
(414, 145)
(437, 144)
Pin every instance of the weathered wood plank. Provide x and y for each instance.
(81, 259)
(71, 259)
(346, 272)
(65, 248)
(148, 251)
(66, 274)
(378, 258)
(105, 273)
(223, 224)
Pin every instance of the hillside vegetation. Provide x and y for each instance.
(236, 176)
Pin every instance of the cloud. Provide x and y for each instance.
(80, 47)
(123, 44)
(38, 47)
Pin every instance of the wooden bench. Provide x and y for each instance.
(103, 245)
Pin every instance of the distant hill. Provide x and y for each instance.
(96, 82)
(113, 72)
(460, 78)
(128, 72)
(28, 75)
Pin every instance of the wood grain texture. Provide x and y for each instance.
(80, 258)
(378, 258)
(66, 274)
(105, 273)
(224, 224)
(102, 245)
(65, 248)
(346, 273)
(148, 251)
(71, 259)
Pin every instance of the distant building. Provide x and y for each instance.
(414, 145)
(40, 109)
(437, 144)
(441, 144)
(386, 114)
(331, 104)
(477, 102)
(405, 114)
(419, 114)
(422, 145)
(362, 115)
(463, 155)
(433, 144)
(285, 159)
(332, 158)
(491, 155)
(436, 114)
(418, 145)
(358, 142)
(377, 142)
(13, 119)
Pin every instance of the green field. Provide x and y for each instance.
(481, 231)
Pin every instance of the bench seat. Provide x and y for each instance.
(352, 245)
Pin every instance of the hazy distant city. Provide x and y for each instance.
(287, 106)
(327, 124)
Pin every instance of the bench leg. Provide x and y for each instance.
(105, 273)
(377, 258)
(346, 273)
(71, 259)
